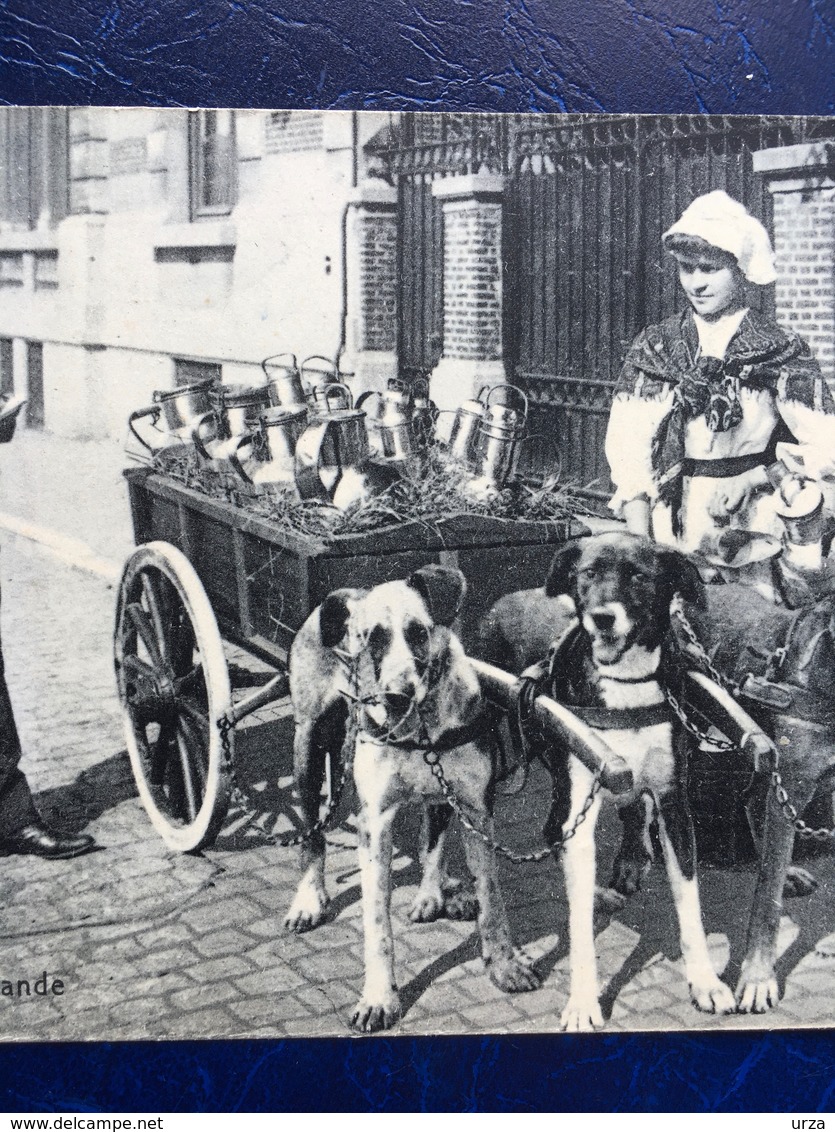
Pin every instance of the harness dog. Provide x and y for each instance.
(783, 663)
(611, 668)
(387, 658)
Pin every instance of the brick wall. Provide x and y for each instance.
(378, 274)
(289, 131)
(472, 279)
(804, 245)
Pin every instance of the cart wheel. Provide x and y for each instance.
(174, 688)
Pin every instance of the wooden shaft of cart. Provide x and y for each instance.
(720, 706)
(501, 688)
(275, 689)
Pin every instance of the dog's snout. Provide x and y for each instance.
(399, 702)
(603, 619)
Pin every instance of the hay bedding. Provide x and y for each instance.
(436, 493)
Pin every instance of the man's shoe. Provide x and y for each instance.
(36, 839)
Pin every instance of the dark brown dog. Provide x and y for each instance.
(390, 652)
(793, 653)
(610, 670)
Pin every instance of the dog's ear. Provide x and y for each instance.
(681, 576)
(442, 590)
(334, 614)
(563, 570)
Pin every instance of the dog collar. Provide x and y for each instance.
(624, 719)
(448, 740)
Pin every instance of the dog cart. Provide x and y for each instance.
(205, 570)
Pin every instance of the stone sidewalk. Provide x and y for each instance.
(154, 944)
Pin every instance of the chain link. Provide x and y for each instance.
(239, 797)
(789, 811)
(791, 815)
(535, 856)
(677, 608)
(702, 736)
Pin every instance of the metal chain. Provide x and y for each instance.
(791, 815)
(239, 797)
(789, 811)
(677, 608)
(534, 857)
(702, 736)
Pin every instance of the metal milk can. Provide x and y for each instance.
(179, 409)
(235, 413)
(500, 435)
(464, 434)
(284, 380)
(319, 377)
(266, 456)
(390, 429)
(332, 461)
(330, 398)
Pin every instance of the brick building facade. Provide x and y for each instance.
(141, 248)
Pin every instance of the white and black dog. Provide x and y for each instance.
(611, 670)
(388, 656)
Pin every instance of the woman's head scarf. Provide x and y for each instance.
(724, 223)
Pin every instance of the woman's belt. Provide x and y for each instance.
(729, 465)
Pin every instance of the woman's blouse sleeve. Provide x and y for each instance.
(805, 403)
(640, 403)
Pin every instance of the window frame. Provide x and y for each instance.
(198, 209)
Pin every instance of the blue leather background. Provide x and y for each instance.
(717, 56)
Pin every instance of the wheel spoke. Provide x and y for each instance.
(154, 602)
(187, 777)
(196, 743)
(190, 709)
(139, 619)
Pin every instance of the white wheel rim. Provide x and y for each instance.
(173, 564)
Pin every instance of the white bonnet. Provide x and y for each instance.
(725, 223)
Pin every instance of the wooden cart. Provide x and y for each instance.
(205, 570)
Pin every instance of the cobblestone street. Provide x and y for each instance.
(149, 943)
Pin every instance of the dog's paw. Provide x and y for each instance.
(756, 994)
(370, 1017)
(307, 910)
(581, 1016)
(426, 907)
(713, 997)
(514, 973)
(627, 873)
(607, 901)
(461, 905)
(799, 883)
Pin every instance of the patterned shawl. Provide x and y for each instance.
(757, 355)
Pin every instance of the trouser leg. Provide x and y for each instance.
(16, 806)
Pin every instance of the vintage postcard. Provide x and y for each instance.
(417, 591)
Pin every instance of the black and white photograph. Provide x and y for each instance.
(418, 598)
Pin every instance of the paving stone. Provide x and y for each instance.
(160, 962)
(213, 1022)
(270, 981)
(229, 942)
(217, 970)
(169, 935)
(277, 1008)
(320, 966)
(197, 996)
(222, 912)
